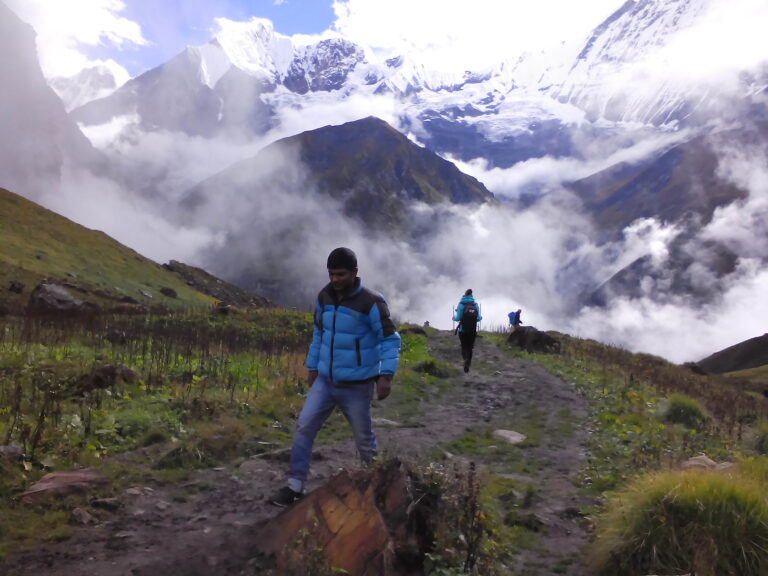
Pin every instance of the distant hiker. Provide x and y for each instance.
(515, 320)
(355, 349)
(468, 316)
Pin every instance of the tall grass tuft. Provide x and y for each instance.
(682, 409)
(761, 438)
(707, 523)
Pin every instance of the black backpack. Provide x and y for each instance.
(469, 317)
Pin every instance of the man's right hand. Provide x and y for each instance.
(312, 375)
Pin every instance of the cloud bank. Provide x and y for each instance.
(65, 30)
(451, 34)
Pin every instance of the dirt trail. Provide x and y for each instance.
(206, 525)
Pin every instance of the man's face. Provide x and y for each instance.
(341, 279)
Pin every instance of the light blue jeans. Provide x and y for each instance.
(324, 395)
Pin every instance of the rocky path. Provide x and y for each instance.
(207, 525)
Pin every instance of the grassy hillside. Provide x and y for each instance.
(752, 353)
(36, 243)
(757, 375)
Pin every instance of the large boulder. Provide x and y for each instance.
(358, 520)
(533, 340)
(52, 299)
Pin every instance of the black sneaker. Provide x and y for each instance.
(285, 497)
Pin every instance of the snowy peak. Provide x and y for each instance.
(211, 60)
(630, 67)
(89, 84)
(255, 47)
(323, 66)
(638, 28)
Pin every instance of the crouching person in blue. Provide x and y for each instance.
(354, 353)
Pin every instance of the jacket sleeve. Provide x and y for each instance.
(389, 339)
(459, 312)
(313, 356)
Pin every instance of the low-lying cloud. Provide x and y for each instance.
(541, 256)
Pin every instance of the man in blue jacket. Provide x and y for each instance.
(355, 350)
(468, 316)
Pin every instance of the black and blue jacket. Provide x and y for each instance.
(354, 338)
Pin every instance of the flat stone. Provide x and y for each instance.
(65, 482)
(509, 436)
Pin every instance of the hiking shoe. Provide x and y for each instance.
(466, 366)
(285, 497)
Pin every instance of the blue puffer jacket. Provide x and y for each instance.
(354, 339)
(460, 310)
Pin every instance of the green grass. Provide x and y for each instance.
(499, 455)
(419, 377)
(38, 243)
(633, 427)
(24, 529)
(682, 409)
(649, 415)
(757, 375)
(710, 523)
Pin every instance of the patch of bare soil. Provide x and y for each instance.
(207, 524)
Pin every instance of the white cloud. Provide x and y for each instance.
(325, 109)
(101, 204)
(65, 28)
(547, 173)
(730, 36)
(678, 330)
(459, 34)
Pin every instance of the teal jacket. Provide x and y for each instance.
(460, 310)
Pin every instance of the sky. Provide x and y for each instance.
(141, 34)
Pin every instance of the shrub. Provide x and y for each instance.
(433, 368)
(221, 439)
(682, 409)
(154, 436)
(707, 523)
(761, 439)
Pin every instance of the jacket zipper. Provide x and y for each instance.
(333, 339)
(357, 351)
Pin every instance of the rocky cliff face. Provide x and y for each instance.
(324, 66)
(37, 137)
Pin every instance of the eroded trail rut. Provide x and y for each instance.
(206, 525)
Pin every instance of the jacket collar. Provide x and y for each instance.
(356, 290)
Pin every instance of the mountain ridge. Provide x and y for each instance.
(42, 246)
(751, 353)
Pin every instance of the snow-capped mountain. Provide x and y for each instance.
(38, 139)
(89, 84)
(626, 69)
(241, 81)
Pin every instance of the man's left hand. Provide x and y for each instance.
(383, 386)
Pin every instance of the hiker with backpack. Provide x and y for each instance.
(354, 353)
(467, 315)
(515, 320)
